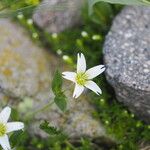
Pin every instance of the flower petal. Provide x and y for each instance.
(95, 71)
(78, 90)
(69, 76)
(93, 86)
(5, 114)
(14, 126)
(81, 63)
(4, 142)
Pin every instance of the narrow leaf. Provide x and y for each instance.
(20, 136)
(60, 101)
(102, 14)
(57, 83)
(123, 2)
(49, 129)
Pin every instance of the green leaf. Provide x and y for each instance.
(60, 98)
(49, 129)
(14, 114)
(124, 2)
(60, 101)
(19, 135)
(102, 14)
(57, 83)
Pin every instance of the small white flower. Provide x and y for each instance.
(20, 16)
(54, 35)
(59, 51)
(84, 34)
(83, 78)
(66, 57)
(29, 21)
(34, 35)
(96, 37)
(7, 127)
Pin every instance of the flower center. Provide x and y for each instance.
(81, 78)
(2, 129)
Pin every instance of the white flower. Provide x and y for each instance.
(83, 78)
(7, 127)
(84, 34)
(20, 16)
(29, 21)
(54, 35)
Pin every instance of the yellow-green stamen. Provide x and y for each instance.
(81, 78)
(2, 129)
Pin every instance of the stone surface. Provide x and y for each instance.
(26, 72)
(127, 57)
(57, 15)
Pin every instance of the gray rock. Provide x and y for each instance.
(26, 72)
(127, 57)
(57, 15)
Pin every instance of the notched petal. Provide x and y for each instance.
(14, 126)
(81, 63)
(95, 71)
(78, 91)
(69, 75)
(94, 87)
(5, 114)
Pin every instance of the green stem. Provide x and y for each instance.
(44, 108)
(32, 114)
(41, 109)
(70, 145)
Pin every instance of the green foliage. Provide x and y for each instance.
(19, 135)
(103, 14)
(10, 8)
(14, 114)
(60, 98)
(119, 122)
(49, 129)
(124, 2)
(57, 83)
(60, 140)
(61, 102)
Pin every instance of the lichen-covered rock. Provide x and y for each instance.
(26, 72)
(58, 15)
(127, 57)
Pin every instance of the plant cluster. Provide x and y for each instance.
(128, 131)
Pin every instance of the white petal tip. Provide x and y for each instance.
(81, 55)
(74, 96)
(104, 68)
(21, 126)
(81, 63)
(63, 73)
(8, 108)
(99, 93)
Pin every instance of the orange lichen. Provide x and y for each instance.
(6, 98)
(41, 65)
(8, 60)
(14, 43)
(7, 56)
(7, 72)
